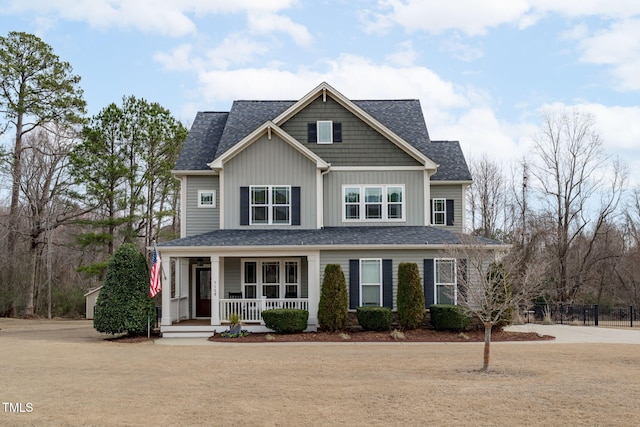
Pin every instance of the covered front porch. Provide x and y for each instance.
(201, 290)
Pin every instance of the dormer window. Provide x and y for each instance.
(324, 132)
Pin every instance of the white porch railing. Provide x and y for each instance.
(250, 310)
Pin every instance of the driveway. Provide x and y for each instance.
(566, 334)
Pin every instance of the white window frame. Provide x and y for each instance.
(282, 276)
(362, 283)
(362, 203)
(453, 284)
(321, 123)
(213, 198)
(270, 205)
(442, 212)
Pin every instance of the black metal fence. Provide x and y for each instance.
(588, 315)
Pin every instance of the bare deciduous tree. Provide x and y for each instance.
(486, 197)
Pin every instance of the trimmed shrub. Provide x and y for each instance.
(374, 318)
(446, 317)
(333, 308)
(124, 304)
(410, 298)
(286, 320)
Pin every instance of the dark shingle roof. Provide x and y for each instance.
(202, 142)
(212, 134)
(328, 236)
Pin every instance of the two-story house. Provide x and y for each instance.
(273, 191)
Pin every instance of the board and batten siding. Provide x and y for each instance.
(413, 182)
(270, 162)
(361, 145)
(455, 193)
(397, 256)
(201, 220)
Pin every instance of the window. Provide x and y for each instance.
(271, 278)
(445, 281)
(371, 282)
(270, 205)
(439, 211)
(373, 203)
(206, 199)
(324, 132)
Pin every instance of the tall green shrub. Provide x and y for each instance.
(500, 292)
(334, 305)
(124, 303)
(410, 298)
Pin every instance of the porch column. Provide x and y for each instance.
(215, 289)
(313, 279)
(165, 279)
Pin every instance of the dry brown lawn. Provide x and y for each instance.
(71, 376)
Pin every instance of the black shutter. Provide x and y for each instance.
(462, 274)
(295, 205)
(244, 205)
(312, 132)
(428, 282)
(387, 283)
(337, 132)
(354, 283)
(450, 212)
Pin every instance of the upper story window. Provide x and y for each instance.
(270, 204)
(206, 198)
(373, 203)
(442, 212)
(439, 211)
(324, 132)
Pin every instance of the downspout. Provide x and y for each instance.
(321, 195)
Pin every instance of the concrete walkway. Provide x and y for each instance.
(566, 334)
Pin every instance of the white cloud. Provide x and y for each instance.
(405, 55)
(267, 22)
(167, 17)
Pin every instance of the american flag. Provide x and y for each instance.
(154, 284)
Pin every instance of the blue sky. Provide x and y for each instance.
(483, 71)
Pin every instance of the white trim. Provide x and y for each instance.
(213, 199)
(330, 141)
(183, 205)
(270, 205)
(454, 284)
(376, 168)
(379, 260)
(319, 199)
(362, 203)
(433, 211)
(427, 198)
(181, 173)
(222, 205)
(436, 182)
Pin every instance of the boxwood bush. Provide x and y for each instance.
(449, 317)
(286, 320)
(374, 318)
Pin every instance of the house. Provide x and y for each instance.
(273, 191)
(90, 300)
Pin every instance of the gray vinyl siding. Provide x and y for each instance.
(397, 256)
(413, 182)
(270, 162)
(361, 145)
(456, 193)
(201, 220)
(233, 275)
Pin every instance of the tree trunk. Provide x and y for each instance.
(16, 178)
(487, 345)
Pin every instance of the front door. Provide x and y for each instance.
(203, 292)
